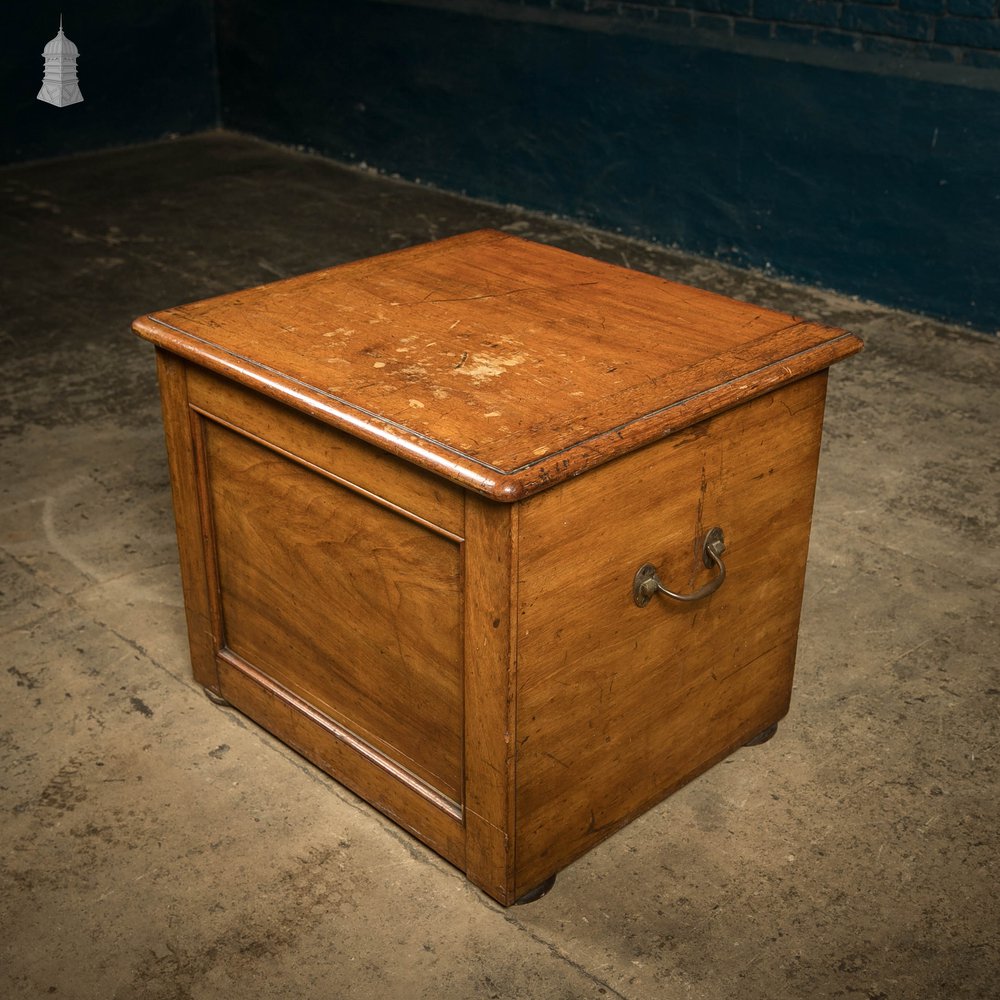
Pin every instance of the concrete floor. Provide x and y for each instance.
(154, 845)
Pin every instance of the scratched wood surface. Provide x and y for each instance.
(503, 365)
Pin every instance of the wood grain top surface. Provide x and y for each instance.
(504, 365)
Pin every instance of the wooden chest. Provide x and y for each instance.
(421, 500)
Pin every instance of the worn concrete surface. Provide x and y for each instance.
(154, 845)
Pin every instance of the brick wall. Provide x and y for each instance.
(959, 32)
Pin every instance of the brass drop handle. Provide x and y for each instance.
(647, 583)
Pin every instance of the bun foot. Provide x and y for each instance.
(540, 890)
(215, 699)
(762, 737)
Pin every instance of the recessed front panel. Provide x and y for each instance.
(348, 604)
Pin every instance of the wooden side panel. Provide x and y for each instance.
(192, 538)
(619, 705)
(490, 654)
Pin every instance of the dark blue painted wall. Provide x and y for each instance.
(697, 125)
(146, 69)
(853, 177)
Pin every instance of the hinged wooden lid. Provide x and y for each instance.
(503, 365)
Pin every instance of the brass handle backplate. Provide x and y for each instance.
(646, 582)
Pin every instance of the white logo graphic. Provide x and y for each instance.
(59, 86)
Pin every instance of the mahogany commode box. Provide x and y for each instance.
(426, 504)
